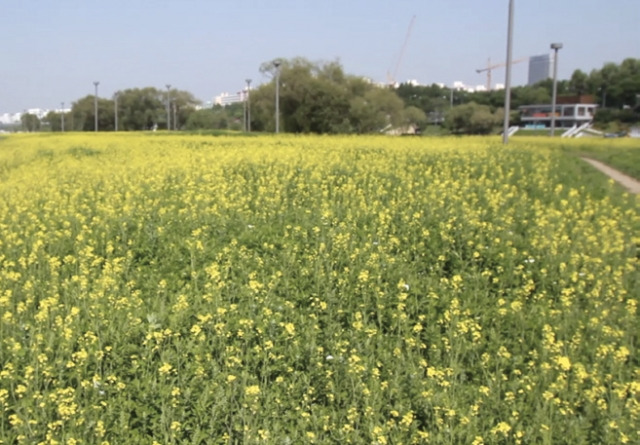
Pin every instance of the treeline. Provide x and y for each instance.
(322, 98)
(137, 109)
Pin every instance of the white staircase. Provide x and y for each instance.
(512, 130)
(576, 131)
(569, 132)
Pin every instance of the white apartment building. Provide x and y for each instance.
(225, 99)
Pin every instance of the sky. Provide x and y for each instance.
(53, 50)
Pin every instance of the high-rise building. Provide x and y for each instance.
(540, 68)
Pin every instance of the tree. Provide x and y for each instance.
(30, 122)
(378, 110)
(616, 86)
(314, 98)
(138, 109)
(414, 116)
(579, 82)
(322, 98)
(229, 117)
(141, 109)
(431, 98)
(53, 120)
(472, 118)
(83, 115)
(183, 103)
(530, 95)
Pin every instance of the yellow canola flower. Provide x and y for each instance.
(563, 363)
(253, 390)
(165, 369)
(347, 268)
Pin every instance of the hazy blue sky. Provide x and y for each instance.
(52, 51)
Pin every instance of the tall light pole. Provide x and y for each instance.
(61, 116)
(168, 106)
(95, 106)
(175, 116)
(248, 105)
(555, 47)
(115, 107)
(243, 97)
(277, 65)
(507, 78)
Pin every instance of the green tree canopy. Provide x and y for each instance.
(138, 109)
(472, 118)
(229, 117)
(322, 98)
(30, 122)
(82, 116)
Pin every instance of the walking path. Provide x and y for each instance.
(632, 185)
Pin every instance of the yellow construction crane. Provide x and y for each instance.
(497, 65)
(391, 76)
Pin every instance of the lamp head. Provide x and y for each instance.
(556, 46)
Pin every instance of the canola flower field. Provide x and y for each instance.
(166, 289)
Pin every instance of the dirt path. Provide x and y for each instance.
(632, 185)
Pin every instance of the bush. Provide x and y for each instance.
(472, 118)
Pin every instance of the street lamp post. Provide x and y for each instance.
(168, 107)
(95, 106)
(175, 116)
(555, 47)
(248, 127)
(61, 116)
(243, 97)
(115, 107)
(507, 79)
(277, 65)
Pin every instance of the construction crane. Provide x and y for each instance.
(497, 65)
(391, 75)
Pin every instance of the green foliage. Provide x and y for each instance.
(30, 122)
(617, 86)
(614, 86)
(626, 117)
(321, 98)
(472, 118)
(82, 116)
(229, 117)
(138, 109)
(54, 120)
(414, 116)
(428, 98)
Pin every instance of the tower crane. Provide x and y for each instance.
(497, 65)
(391, 75)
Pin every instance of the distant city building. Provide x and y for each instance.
(461, 86)
(204, 106)
(540, 68)
(10, 118)
(227, 99)
(458, 85)
(14, 118)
